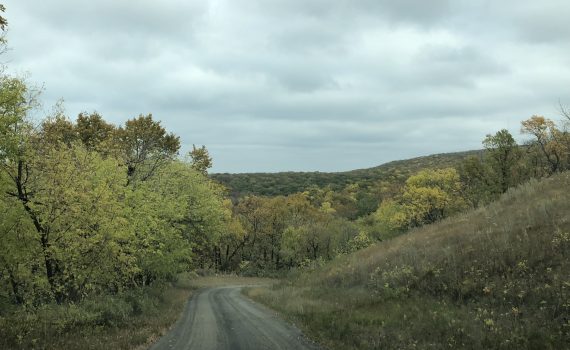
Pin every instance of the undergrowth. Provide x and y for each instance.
(126, 321)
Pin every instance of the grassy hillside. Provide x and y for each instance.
(271, 184)
(494, 278)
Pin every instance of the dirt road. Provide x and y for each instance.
(222, 318)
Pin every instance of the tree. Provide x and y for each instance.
(390, 219)
(231, 242)
(71, 226)
(15, 102)
(366, 202)
(427, 197)
(565, 135)
(503, 155)
(201, 160)
(94, 132)
(57, 129)
(71, 198)
(145, 146)
(17, 255)
(3, 26)
(431, 195)
(548, 139)
(478, 180)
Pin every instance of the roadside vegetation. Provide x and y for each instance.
(497, 277)
(130, 320)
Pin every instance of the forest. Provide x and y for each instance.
(286, 183)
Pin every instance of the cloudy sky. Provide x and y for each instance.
(328, 85)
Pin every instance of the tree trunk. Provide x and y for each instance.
(18, 298)
(53, 271)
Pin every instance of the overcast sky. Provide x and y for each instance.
(274, 85)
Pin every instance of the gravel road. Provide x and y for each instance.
(222, 318)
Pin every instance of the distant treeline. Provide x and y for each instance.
(285, 183)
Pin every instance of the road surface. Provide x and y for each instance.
(222, 318)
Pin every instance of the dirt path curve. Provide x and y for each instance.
(222, 318)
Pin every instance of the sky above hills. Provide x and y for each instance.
(296, 84)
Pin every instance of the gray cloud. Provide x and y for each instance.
(301, 85)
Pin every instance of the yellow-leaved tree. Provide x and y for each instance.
(549, 141)
(431, 195)
(427, 197)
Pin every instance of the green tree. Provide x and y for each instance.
(57, 129)
(390, 219)
(231, 243)
(94, 132)
(15, 102)
(480, 186)
(71, 197)
(17, 254)
(503, 155)
(145, 147)
(70, 225)
(201, 160)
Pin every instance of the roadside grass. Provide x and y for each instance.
(131, 321)
(495, 278)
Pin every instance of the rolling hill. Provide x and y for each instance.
(497, 277)
(284, 183)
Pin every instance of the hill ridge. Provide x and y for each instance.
(288, 182)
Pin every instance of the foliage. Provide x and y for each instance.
(127, 320)
(271, 233)
(93, 209)
(548, 140)
(95, 133)
(145, 146)
(427, 197)
(432, 195)
(503, 155)
(390, 219)
(493, 278)
(506, 164)
(201, 160)
(479, 185)
(285, 183)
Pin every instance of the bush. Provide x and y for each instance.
(111, 311)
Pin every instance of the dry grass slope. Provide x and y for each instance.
(494, 278)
